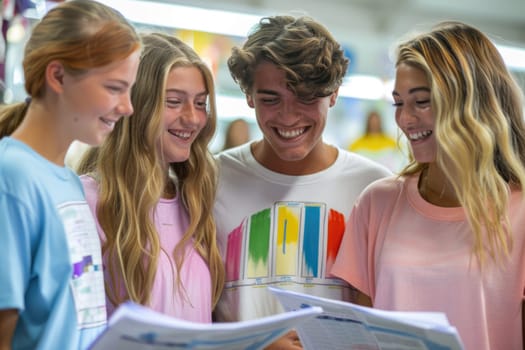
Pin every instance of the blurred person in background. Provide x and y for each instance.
(376, 144)
(237, 133)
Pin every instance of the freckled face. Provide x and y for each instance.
(185, 112)
(292, 127)
(414, 113)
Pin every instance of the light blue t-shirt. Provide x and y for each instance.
(50, 265)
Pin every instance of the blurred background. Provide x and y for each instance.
(367, 30)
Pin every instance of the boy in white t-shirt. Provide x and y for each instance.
(283, 200)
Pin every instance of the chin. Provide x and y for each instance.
(178, 158)
(423, 160)
(95, 141)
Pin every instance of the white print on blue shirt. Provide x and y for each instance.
(87, 280)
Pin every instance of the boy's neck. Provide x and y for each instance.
(319, 159)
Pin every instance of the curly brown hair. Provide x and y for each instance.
(313, 60)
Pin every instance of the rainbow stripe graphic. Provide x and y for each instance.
(298, 239)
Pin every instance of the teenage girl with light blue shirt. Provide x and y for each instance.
(79, 65)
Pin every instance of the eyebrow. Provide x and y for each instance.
(411, 91)
(267, 92)
(186, 93)
(119, 81)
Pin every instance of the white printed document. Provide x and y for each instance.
(135, 327)
(344, 325)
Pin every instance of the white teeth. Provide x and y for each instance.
(288, 134)
(182, 134)
(419, 135)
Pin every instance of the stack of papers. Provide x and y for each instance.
(135, 327)
(321, 324)
(344, 325)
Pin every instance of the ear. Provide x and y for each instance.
(333, 97)
(55, 76)
(249, 100)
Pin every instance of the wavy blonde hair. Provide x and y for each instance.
(478, 108)
(81, 35)
(131, 172)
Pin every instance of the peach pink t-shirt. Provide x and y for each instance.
(410, 255)
(192, 301)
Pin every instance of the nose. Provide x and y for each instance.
(189, 112)
(405, 116)
(290, 110)
(125, 107)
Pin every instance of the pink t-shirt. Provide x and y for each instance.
(192, 300)
(410, 255)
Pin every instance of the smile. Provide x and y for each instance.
(185, 135)
(419, 135)
(289, 134)
(108, 122)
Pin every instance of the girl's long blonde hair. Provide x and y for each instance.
(132, 177)
(479, 127)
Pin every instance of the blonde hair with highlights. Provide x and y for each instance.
(131, 172)
(478, 108)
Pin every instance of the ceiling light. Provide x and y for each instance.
(363, 87)
(233, 107)
(514, 57)
(185, 17)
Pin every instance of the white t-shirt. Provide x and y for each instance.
(283, 230)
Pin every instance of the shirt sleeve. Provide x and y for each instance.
(352, 263)
(17, 237)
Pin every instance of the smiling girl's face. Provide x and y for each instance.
(185, 112)
(414, 111)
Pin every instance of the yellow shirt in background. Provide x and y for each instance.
(380, 148)
(373, 142)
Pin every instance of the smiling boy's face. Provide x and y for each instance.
(292, 127)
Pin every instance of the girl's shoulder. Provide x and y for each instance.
(386, 186)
